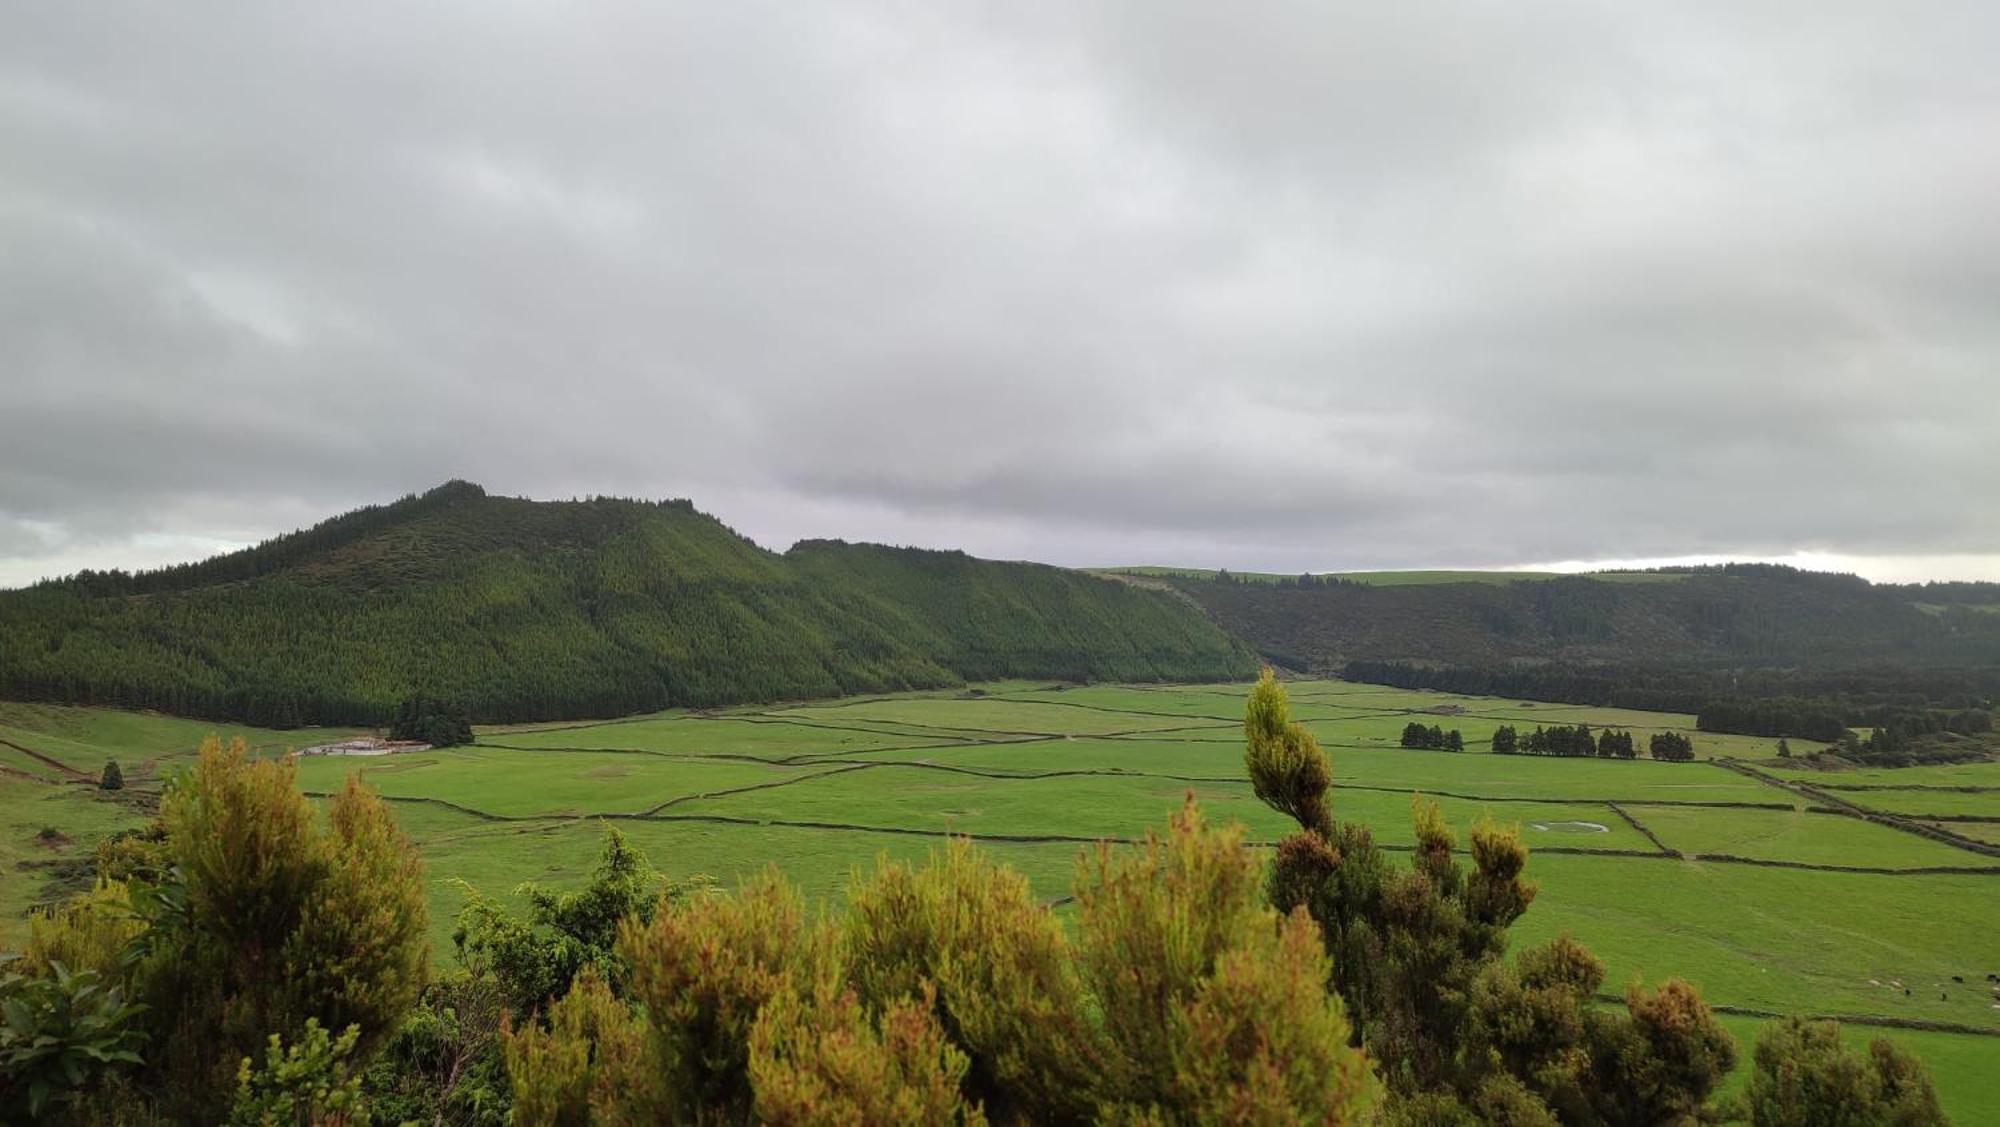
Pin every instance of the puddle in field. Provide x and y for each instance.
(1572, 827)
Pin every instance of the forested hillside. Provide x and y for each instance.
(543, 610)
(1735, 616)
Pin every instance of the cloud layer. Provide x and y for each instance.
(1292, 286)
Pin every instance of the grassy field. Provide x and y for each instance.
(1695, 870)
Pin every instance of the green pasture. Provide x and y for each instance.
(1988, 832)
(1796, 835)
(1980, 774)
(1977, 804)
(821, 788)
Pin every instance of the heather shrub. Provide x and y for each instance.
(1802, 1075)
(266, 920)
(1000, 972)
(1215, 1006)
(705, 967)
(594, 1061)
(822, 1058)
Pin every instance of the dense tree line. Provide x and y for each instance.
(1777, 716)
(1433, 738)
(1574, 741)
(1811, 720)
(1803, 705)
(520, 610)
(242, 961)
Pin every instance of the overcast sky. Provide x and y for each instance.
(1271, 286)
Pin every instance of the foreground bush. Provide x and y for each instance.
(59, 1032)
(1803, 1076)
(946, 992)
(275, 920)
(247, 917)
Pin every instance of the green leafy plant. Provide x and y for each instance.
(58, 1032)
(313, 1083)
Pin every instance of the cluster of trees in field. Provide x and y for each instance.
(244, 961)
(1576, 741)
(1433, 738)
(521, 610)
(1671, 746)
(1304, 580)
(433, 722)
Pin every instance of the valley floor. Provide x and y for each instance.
(1768, 899)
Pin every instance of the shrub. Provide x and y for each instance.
(60, 1032)
(566, 932)
(1001, 971)
(113, 778)
(135, 854)
(1287, 768)
(443, 1064)
(266, 920)
(313, 1082)
(595, 1061)
(705, 967)
(822, 1059)
(1187, 998)
(1215, 1006)
(90, 932)
(1802, 1075)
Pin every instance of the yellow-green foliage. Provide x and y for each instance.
(1496, 893)
(1287, 768)
(821, 1060)
(283, 921)
(704, 968)
(1660, 1063)
(1216, 1007)
(313, 1082)
(1803, 1077)
(1003, 975)
(594, 1062)
(1184, 999)
(90, 932)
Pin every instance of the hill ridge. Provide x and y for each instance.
(549, 610)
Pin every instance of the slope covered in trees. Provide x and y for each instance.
(517, 610)
(1737, 615)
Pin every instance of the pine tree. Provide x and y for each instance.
(113, 778)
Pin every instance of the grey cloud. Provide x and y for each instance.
(1294, 286)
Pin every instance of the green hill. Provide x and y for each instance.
(1723, 630)
(546, 610)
